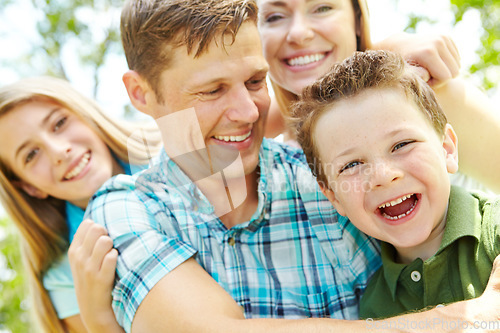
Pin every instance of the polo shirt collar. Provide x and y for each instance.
(462, 220)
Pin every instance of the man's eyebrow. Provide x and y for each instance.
(42, 124)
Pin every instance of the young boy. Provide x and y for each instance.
(381, 149)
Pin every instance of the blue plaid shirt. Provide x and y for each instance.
(295, 258)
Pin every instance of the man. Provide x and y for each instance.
(225, 216)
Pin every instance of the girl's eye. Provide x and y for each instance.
(31, 155)
(60, 123)
(349, 165)
(323, 9)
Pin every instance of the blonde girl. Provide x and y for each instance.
(58, 147)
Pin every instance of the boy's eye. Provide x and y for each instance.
(60, 123)
(349, 165)
(401, 145)
(31, 155)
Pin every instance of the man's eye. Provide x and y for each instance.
(31, 155)
(349, 165)
(256, 84)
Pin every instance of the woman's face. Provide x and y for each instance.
(54, 153)
(302, 39)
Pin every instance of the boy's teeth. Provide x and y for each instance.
(231, 138)
(395, 202)
(305, 60)
(77, 169)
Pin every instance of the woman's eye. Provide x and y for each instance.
(273, 18)
(60, 123)
(31, 155)
(349, 165)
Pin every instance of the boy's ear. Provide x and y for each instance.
(30, 189)
(138, 90)
(330, 195)
(450, 146)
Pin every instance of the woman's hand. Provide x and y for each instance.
(437, 54)
(93, 262)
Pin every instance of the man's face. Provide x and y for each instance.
(227, 89)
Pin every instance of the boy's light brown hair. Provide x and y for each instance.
(151, 29)
(362, 71)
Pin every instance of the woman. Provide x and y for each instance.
(58, 148)
(303, 39)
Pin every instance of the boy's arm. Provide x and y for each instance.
(189, 300)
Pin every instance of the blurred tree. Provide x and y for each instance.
(14, 315)
(84, 26)
(488, 67)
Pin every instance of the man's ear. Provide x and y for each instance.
(330, 195)
(30, 189)
(138, 90)
(450, 146)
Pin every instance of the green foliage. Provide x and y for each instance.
(13, 309)
(489, 54)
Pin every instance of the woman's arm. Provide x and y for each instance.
(93, 262)
(478, 129)
(438, 54)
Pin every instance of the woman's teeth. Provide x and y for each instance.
(235, 138)
(77, 169)
(305, 60)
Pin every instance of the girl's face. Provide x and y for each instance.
(54, 153)
(302, 39)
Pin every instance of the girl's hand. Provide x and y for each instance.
(93, 262)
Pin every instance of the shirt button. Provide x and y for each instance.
(415, 276)
(231, 241)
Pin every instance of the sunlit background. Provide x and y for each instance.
(18, 59)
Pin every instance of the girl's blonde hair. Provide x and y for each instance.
(42, 222)
(285, 98)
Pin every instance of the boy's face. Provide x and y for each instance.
(387, 167)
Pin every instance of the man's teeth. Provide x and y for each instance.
(396, 202)
(77, 169)
(301, 61)
(231, 138)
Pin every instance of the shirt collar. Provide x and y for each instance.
(462, 220)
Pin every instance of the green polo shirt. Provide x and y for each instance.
(459, 270)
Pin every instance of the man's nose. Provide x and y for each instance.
(244, 108)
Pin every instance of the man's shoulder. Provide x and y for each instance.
(283, 153)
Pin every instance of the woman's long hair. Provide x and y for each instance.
(285, 98)
(42, 222)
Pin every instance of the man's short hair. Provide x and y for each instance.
(358, 73)
(151, 29)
